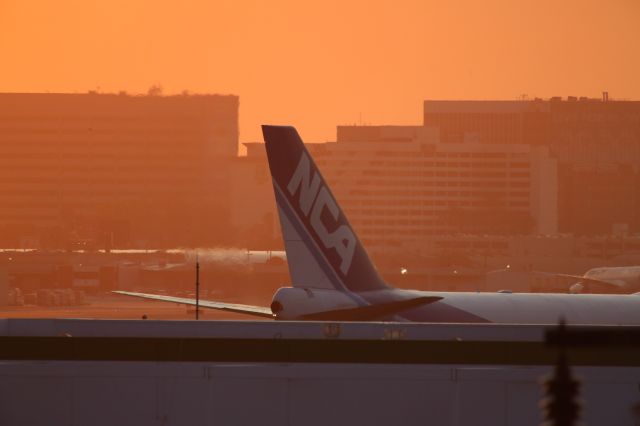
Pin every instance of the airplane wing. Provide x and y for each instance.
(259, 311)
(365, 313)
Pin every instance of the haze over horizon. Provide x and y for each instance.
(319, 64)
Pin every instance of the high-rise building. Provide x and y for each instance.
(596, 143)
(124, 170)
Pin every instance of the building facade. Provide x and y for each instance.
(254, 219)
(118, 169)
(401, 183)
(595, 141)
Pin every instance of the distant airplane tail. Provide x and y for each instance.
(323, 251)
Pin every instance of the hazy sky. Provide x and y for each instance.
(316, 64)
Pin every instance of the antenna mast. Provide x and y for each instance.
(197, 287)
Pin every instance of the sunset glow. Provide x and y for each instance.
(318, 64)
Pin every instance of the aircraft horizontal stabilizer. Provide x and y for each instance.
(259, 311)
(371, 312)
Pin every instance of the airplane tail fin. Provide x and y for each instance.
(323, 250)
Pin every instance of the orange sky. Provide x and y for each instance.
(316, 64)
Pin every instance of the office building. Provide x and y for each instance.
(113, 169)
(595, 141)
(402, 183)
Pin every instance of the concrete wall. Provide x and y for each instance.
(126, 393)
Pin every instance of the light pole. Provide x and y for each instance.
(197, 288)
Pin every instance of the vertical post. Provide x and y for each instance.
(197, 287)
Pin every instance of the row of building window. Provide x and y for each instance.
(25, 218)
(356, 213)
(413, 202)
(376, 224)
(429, 183)
(414, 154)
(411, 173)
(413, 232)
(159, 127)
(105, 173)
(472, 244)
(141, 193)
(414, 194)
(90, 180)
(91, 157)
(422, 164)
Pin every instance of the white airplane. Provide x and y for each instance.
(604, 279)
(333, 278)
(623, 279)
